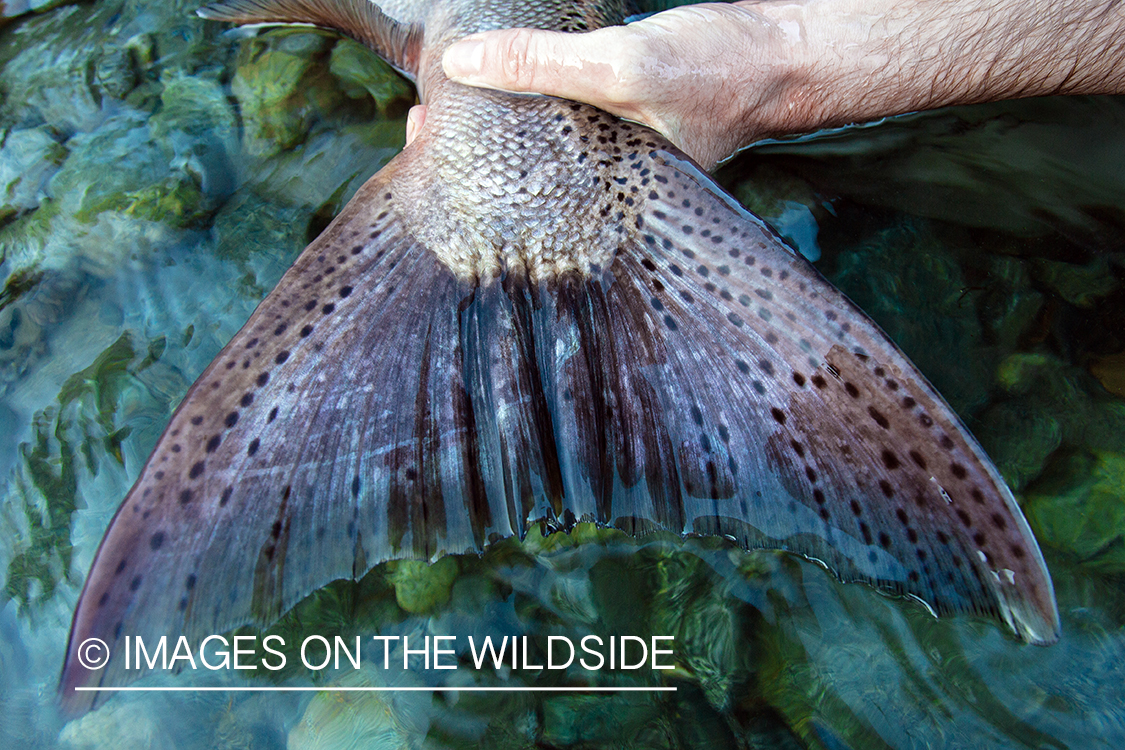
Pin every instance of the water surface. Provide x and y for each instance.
(157, 175)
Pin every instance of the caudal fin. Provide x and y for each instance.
(705, 381)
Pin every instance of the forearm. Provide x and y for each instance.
(857, 60)
(718, 76)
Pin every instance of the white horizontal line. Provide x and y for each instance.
(332, 689)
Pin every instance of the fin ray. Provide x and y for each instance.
(398, 43)
(708, 381)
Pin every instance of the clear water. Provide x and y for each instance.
(157, 175)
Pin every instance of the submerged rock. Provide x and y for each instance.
(1049, 406)
(362, 720)
(28, 158)
(119, 725)
(1110, 372)
(279, 89)
(422, 587)
(362, 74)
(912, 284)
(1079, 506)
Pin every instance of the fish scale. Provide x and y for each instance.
(540, 313)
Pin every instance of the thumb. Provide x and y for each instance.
(570, 66)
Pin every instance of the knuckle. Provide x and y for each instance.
(519, 49)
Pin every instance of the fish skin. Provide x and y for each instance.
(538, 311)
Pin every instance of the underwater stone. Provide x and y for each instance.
(421, 587)
(633, 720)
(1019, 440)
(329, 167)
(28, 159)
(1052, 405)
(118, 725)
(274, 97)
(1079, 506)
(362, 720)
(363, 74)
(789, 204)
(1080, 285)
(1110, 372)
(910, 283)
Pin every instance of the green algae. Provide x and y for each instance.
(43, 556)
(69, 438)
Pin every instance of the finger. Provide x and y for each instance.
(583, 67)
(415, 119)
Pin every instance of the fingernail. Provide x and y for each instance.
(464, 59)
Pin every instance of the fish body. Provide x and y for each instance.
(540, 313)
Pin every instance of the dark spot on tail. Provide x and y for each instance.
(156, 540)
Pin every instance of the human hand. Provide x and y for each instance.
(706, 76)
(716, 77)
